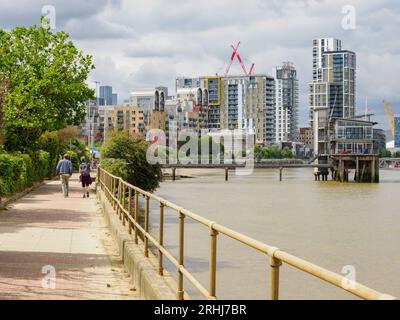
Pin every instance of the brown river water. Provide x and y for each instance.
(331, 224)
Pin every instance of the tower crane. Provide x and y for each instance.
(239, 58)
(389, 115)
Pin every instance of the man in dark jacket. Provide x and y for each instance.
(64, 170)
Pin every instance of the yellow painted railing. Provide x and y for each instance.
(119, 191)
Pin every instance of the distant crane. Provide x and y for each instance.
(389, 115)
(235, 53)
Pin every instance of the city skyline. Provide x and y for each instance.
(130, 52)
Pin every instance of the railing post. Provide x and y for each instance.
(119, 197)
(161, 241)
(136, 215)
(146, 228)
(213, 263)
(274, 265)
(98, 177)
(113, 191)
(181, 292)
(123, 202)
(130, 210)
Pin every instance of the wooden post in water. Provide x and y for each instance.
(173, 174)
(226, 174)
(280, 173)
(373, 170)
(357, 177)
(341, 171)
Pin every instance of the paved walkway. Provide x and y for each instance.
(44, 232)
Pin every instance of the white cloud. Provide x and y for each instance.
(148, 43)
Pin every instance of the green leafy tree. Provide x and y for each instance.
(45, 78)
(132, 151)
(287, 153)
(397, 154)
(258, 152)
(275, 152)
(384, 153)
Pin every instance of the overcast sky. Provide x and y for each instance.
(141, 44)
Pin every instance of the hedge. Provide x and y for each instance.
(19, 171)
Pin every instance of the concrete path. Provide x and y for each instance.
(45, 234)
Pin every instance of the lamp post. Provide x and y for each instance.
(91, 118)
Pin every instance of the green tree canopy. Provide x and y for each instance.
(287, 153)
(384, 153)
(129, 156)
(46, 90)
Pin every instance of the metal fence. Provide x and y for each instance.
(120, 194)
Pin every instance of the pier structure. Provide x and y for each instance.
(279, 165)
(366, 167)
(345, 144)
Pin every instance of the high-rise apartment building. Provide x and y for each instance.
(114, 99)
(332, 91)
(105, 95)
(149, 98)
(248, 103)
(236, 102)
(321, 46)
(287, 103)
(397, 131)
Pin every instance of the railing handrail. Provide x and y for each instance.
(277, 256)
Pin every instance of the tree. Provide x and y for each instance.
(287, 153)
(396, 154)
(275, 152)
(132, 151)
(384, 153)
(46, 90)
(3, 87)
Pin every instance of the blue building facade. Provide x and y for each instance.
(106, 97)
(397, 131)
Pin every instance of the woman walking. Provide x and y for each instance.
(85, 177)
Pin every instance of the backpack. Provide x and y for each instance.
(85, 169)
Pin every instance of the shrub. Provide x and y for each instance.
(73, 157)
(117, 167)
(132, 150)
(44, 160)
(10, 168)
(19, 171)
(49, 142)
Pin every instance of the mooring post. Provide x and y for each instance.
(373, 170)
(280, 173)
(357, 177)
(173, 174)
(226, 174)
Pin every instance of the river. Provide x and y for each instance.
(338, 226)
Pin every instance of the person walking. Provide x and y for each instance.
(64, 170)
(85, 177)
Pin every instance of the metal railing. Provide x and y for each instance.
(118, 191)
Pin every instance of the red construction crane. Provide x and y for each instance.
(232, 57)
(235, 53)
